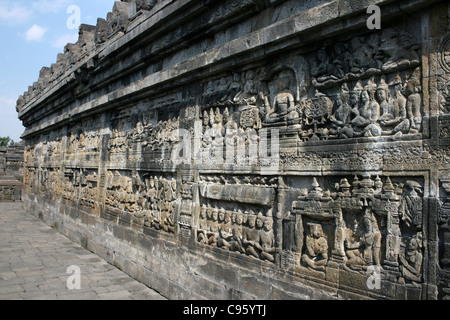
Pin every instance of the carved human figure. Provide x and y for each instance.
(366, 122)
(340, 120)
(222, 90)
(413, 106)
(411, 260)
(251, 236)
(358, 57)
(410, 209)
(399, 124)
(267, 240)
(213, 234)
(237, 230)
(209, 92)
(352, 245)
(371, 240)
(322, 68)
(387, 111)
(230, 129)
(203, 225)
(205, 120)
(248, 95)
(235, 87)
(168, 224)
(316, 256)
(225, 232)
(283, 106)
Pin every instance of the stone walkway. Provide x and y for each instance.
(34, 262)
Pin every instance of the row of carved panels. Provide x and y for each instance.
(347, 221)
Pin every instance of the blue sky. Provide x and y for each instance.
(32, 33)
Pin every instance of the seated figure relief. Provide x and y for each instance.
(316, 255)
(283, 109)
(245, 233)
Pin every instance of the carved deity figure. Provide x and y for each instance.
(316, 256)
(283, 107)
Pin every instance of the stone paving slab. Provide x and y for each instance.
(34, 262)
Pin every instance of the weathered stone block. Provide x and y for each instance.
(252, 149)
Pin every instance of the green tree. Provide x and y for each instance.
(4, 141)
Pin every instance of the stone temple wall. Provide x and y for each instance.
(251, 149)
(11, 172)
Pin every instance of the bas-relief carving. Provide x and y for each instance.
(150, 199)
(361, 223)
(443, 233)
(235, 219)
(443, 77)
(138, 135)
(358, 90)
(366, 102)
(234, 230)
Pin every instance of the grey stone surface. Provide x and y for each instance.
(11, 172)
(251, 149)
(34, 260)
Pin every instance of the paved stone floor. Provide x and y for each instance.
(34, 262)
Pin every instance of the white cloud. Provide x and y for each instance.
(13, 13)
(61, 41)
(10, 125)
(52, 6)
(16, 12)
(35, 33)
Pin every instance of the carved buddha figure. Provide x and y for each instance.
(283, 106)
